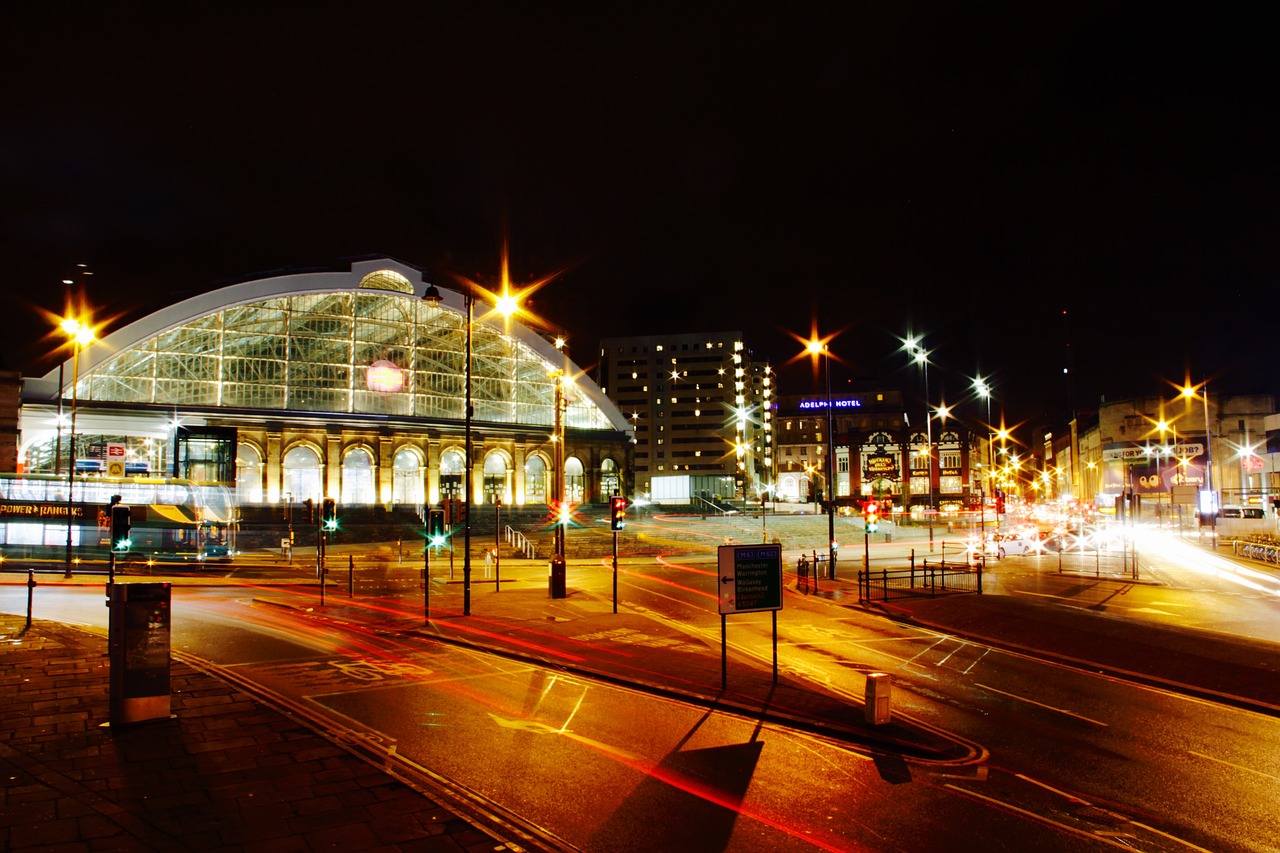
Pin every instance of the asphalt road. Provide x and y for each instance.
(1076, 760)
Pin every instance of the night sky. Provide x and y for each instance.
(969, 171)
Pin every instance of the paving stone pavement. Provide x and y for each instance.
(224, 772)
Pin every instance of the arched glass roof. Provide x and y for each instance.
(366, 345)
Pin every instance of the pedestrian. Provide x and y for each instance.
(488, 562)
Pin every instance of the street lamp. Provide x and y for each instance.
(1189, 392)
(506, 303)
(921, 357)
(816, 347)
(983, 390)
(81, 335)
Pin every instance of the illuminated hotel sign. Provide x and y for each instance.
(835, 404)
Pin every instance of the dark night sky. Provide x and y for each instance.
(966, 170)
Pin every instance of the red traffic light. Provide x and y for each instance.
(617, 512)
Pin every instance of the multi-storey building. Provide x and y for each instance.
(1168, 451)
(876, 452)
(700, 407)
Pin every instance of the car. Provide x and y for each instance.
(1018, 545)
(989, 548)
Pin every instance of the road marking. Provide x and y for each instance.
(1000, 804)
(1236, 766)
(1042, 705)
(1073, 798)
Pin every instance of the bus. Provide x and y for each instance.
(171, 520)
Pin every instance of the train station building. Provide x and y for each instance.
(342, 383)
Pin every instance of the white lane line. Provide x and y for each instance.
(1000, 804)
(1075, 799)
(1236, 766)
(1042, 705)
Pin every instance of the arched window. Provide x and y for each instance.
(610, 482)
(574, 481)
(357, 477)
(497, 479)
(302, 474)
(451, 465)
(535, 480)
(248, 474)
(407, 488)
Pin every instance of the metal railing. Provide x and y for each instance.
(929, 579)
(519, 542)
(1263, 552)
(704, 505)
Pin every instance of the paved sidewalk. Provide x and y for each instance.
(223, 773)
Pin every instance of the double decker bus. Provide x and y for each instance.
(172, 520)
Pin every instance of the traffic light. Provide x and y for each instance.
(120, 524)
(435, 527)
(311, 510)
(871, 516)
(329, 514)
(617, 512)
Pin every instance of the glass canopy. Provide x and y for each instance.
(375, 351)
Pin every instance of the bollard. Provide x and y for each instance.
(876, 708)
(556, 577)
(31, 588)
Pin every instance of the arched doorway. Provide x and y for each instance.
(535, 480)
(574, 480)
(248, 474)
(406, 487)
(610, 482)
(451, 466)
(497, 479)
(302, 474)
(357, 477)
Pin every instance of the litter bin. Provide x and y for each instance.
(138, 650)
(556, 577)
(879, 689)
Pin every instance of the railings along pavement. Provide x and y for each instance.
(1264, 552)
(930, 579)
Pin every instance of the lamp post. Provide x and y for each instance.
(917, 352)
(1189, 392)
(432, 295)
(819, 347)
(81, 335)
(983, 390)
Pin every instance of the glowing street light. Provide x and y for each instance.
(81, 335)
(1188, 392)
(817, 347)
(506, 303)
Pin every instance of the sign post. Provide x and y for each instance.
(749, 579)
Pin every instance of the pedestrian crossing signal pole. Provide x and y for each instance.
(870, 524)
(617, 519)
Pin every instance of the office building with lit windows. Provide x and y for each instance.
(700, 406)
(341, 383)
